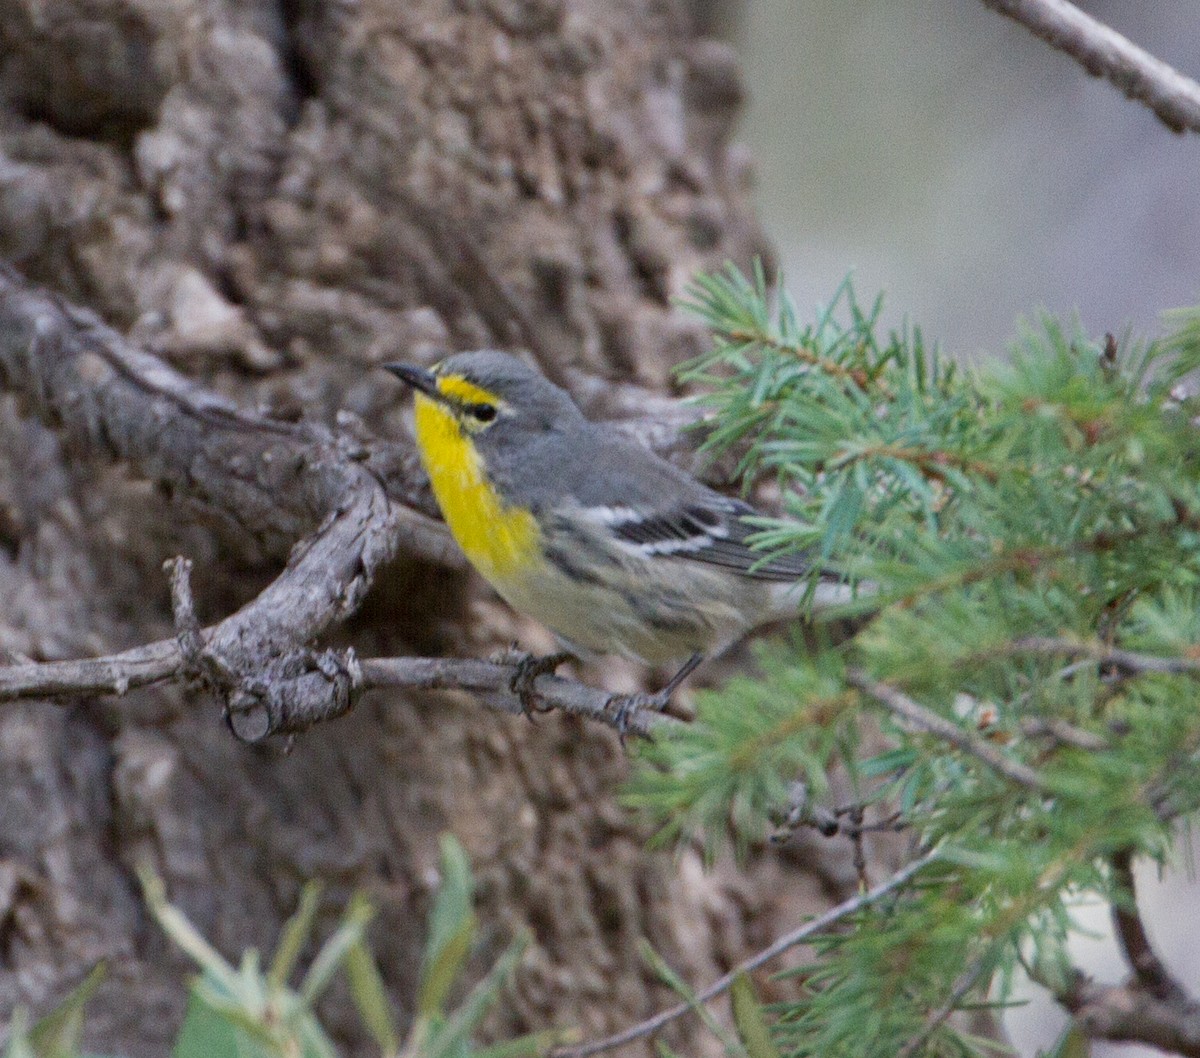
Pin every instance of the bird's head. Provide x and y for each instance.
(488, 392)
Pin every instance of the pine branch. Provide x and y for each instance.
(1103, 52)
(916, 715)
(812, 929)
(967, 980)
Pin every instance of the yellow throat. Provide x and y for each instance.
(500, 541)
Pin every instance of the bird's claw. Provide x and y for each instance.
(624, 707)
(528, 668)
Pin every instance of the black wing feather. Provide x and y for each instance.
(716, 535)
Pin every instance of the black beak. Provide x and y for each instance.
(422, 380)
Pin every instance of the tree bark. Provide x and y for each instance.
(276, 198)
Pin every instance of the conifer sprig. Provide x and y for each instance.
(1030, 532)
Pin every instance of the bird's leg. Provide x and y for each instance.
(676, 681)
(528, 668)
(625, 705)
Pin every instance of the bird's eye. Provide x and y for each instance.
(483, 412)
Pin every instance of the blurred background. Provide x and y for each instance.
(953, 160)
(975, 175)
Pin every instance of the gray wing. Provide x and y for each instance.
(660, 510)
(713, 531)
(648, 504)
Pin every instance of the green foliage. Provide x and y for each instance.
(750, 1020)
(59, 1033)
(1012, 529)
(737, 760)
(242, 1012)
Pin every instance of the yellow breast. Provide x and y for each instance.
(499, 540)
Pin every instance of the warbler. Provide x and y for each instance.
(612, 548)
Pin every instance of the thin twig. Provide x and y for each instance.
(115, 674)
(1061, 731)
(901, 705)
(492, 680)
(800, 935)
(966, 981)
(1104, 52)
(183, 606)
(1101, 654)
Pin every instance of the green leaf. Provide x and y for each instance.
(334, 951)
(748, 1017)
(531, 1046)
(59, 1033)
(214, 1027)
(370, 996)
(677, 984)
(450, 1038)
(206, 1034)
(296, 933)
(18, 1036)
(181, 931)
(451, 930)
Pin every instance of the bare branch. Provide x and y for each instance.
(1149, 970)
(1129, 1013)
(276, 481)
(164, 661)
(813, 928)
(493, 678)
(1126, 660)
(115, 674)
(1061, 731)
(901, 705)
(1104, 52)
(1150, 1008)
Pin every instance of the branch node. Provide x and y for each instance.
(187, 626)
(294, 692)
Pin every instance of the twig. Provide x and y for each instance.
(797, 936)
(115, 674)
(854, 831)
(492, 678)
(1127, 660)
(1128, 1013)
(901, 705)
(1103, 52)
(1061, 731)
(966, 981)
(187, 627)
(1151, 972)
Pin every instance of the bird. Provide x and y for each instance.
(612, 548)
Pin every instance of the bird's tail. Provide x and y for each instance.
(788, 597)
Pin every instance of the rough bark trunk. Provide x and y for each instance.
(276, 197)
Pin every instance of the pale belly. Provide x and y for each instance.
(679, 610)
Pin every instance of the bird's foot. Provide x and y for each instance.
(624, 707)
(528, 668)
